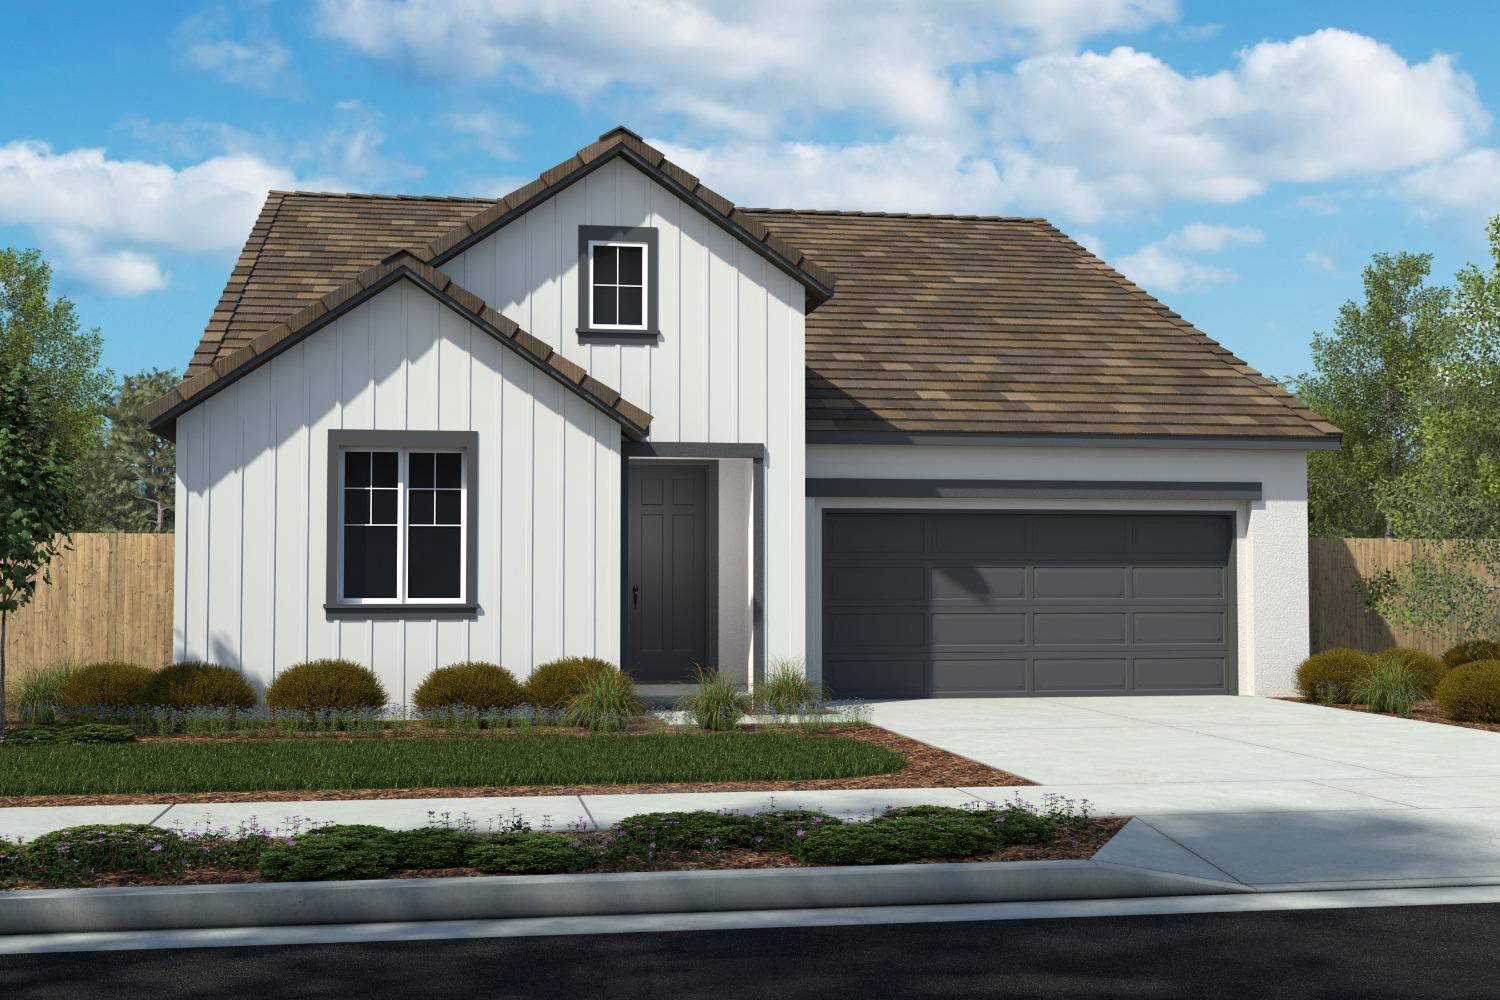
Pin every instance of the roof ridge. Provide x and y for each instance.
(380, 194)
(896, 215)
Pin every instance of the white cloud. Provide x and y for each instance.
(1466, 186)
(1319, 260)
(108, 220)
(711, 61)
(488, 130)
(1165, 265)
(257, 61)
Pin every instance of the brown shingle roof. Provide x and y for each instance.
(1006, 326)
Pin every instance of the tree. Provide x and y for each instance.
(36, 499)
(128, 481)
(1371, 376)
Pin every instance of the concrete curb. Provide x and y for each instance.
(139, 908)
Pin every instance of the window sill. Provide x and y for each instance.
(401, 610)
(591, 336)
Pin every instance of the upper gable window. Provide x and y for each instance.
(617, 283)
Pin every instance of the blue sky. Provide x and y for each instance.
(1240, 161)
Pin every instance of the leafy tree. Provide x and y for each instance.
(36, 498)
(128, 482)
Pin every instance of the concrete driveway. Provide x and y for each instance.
(1270, 793)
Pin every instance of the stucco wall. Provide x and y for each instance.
(1270, 533)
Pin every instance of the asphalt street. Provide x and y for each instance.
(1426, 951)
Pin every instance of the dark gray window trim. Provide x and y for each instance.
(1031, 489)
(1074, 440)
(693, 449)
(468, 441)
(624, 234)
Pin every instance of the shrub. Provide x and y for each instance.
(605, 702)
(1469, 652)
(337, 684)
(552, 685)
(15, 864)
(1470, 692)
(433, 847)
(65, 855)
(39, 691)
(530, 854)
(330, 854)
(481, 686)
(786, 689)
(716, 704)
(71, 732)
(1388, 686)
(1338, 667)
(919, 833)
(200, 685)
(113, 685)
(1426, 670)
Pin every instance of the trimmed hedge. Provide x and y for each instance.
(200, 685)
(1469, 652)
(326, 684)
(108, 684)
(1337, 667)
(473, 684)
(553, 685)
(1471, 692)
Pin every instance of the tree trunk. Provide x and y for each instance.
(4, 621)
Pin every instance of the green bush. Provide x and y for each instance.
(552, 685)
(329, 855)
(1426, 669)
(530, 854)
(716, 703)
(1470, 692)
(1388, 686)
(15, 864)
(1336, 667)
(433, 847)
(786, 689)
(200, 685)
(70, 732)
(340, 684)
(109, 684)
(1471, 651)
(476, 685)
(920, 833)
(66, 855)
(39, 691)
(605, 702)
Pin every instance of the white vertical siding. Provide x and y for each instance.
(252, 484)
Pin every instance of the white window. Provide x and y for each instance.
(617, 285)
(402, 531)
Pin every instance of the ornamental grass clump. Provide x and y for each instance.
(1390, 686)
(1470, 692)
(39, 694)
(716, 704)
(1426, 669)
(106, 685)
(473, 684)
(1335, 669)
(786, 689)
(605, 703)
(1471, 652)
(199, 685)
(552, 685)
(326, 684)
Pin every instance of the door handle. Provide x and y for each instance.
(635, 595)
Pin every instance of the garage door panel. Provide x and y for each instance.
(1078, 675)
(956, 677)
(1162, 674)
(1079, 581)
(1027, 603)
(1176, 582)
(980, 628)
(974, 582)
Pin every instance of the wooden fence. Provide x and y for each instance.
(110, 599)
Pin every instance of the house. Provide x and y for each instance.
(614, 414)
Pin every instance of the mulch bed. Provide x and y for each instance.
(926, 767)
(1424, 711)
(1071, 845)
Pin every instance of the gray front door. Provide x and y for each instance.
(667, 601)
(963, 604)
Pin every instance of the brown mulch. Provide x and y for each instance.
(1071, 845)
(926, 767)
(1424, 711)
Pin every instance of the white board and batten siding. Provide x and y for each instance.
(252, 500)
(727, 368)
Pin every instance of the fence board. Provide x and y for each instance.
(110, 599)
(1337, 617)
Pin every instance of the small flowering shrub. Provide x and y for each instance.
(14, 862)
(531, 854)
(330, 854)
(66, 856)
(918, 833)
(433, 847)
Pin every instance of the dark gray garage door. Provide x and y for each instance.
(963, 604)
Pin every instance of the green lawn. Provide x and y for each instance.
(527, 759)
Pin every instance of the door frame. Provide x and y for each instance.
(710, 552)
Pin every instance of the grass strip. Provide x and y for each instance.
(529, 759)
